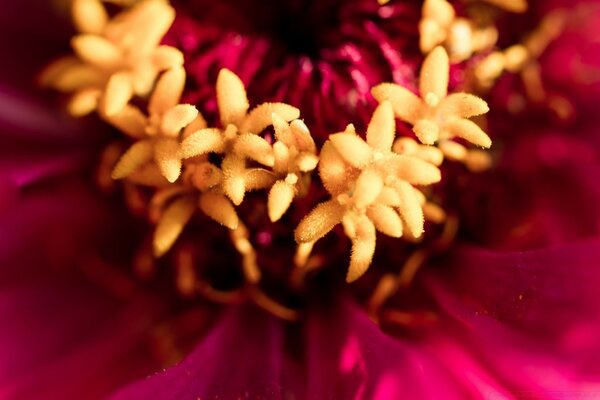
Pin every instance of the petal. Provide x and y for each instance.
(516, 6)
(68, 78)
(544, 293)
(462, 105)
(258, 178)
(469, 131)
(224, 363)
(386, 220)
(166, 155)
(130, 121)
(382, 128)
(367, 188)
(439, 10)
(219, 208)
(89, 16)
(204, 141)
(234, 184)
(117, 94)
(414, 170)
(363, 248)
(281, 156)
(280, 199)
(167, 57)
(303, 137)
(84, 102)
(97, 50)
(407, 105)
(350, 357)
(168, 91)
(410, 209)
(255, 148)
(435, 74)
(147, 35)
(177, 118)
(231, 98)
(46, 290)
(319, 221)
(262, 116)
(171, 224)
(427, 131)
(352, 148)
(283, 132)
(333, 170)
(137, 155)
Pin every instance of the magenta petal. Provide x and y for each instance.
(39, 142)
(240, 358)
(349, 357)
(525, 364)
(61, 336)
(543, 192)
(61, 331)
(550, 296)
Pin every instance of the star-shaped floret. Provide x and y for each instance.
(295, 156)
(239, 139)
(158, 133)
(522, 58)
(175, 206)
(116, 58)
(461, 37)
(436, 116)
(371, 188)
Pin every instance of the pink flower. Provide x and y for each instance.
(509, 310)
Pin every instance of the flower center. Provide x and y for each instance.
(261, 203)
(296, 27)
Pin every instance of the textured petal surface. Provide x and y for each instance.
(224, 365)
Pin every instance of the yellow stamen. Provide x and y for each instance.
(219, 208)
(239, 237)
(385, 288)
(281, 196)
(231, 98)
(302, 254)
(436, 117)
(268, 304)
(186, 279)
(516, 6)
(371, 190)
(414, 262)
(171, 224)
(119, 57)
(138, 154)
(89, 16)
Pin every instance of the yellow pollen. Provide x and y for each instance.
(173, 166)
(357, 189)
(521, 59)
(115, 59)
(460, 36)
(436, 117)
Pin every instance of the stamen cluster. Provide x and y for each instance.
(375, 183)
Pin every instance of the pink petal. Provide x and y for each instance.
(62, 330)
(548, 296)
(242, 357)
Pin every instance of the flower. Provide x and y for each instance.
(437, 116)
(504, 306)
(159, 130)
(116, 58)
(367, 181)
